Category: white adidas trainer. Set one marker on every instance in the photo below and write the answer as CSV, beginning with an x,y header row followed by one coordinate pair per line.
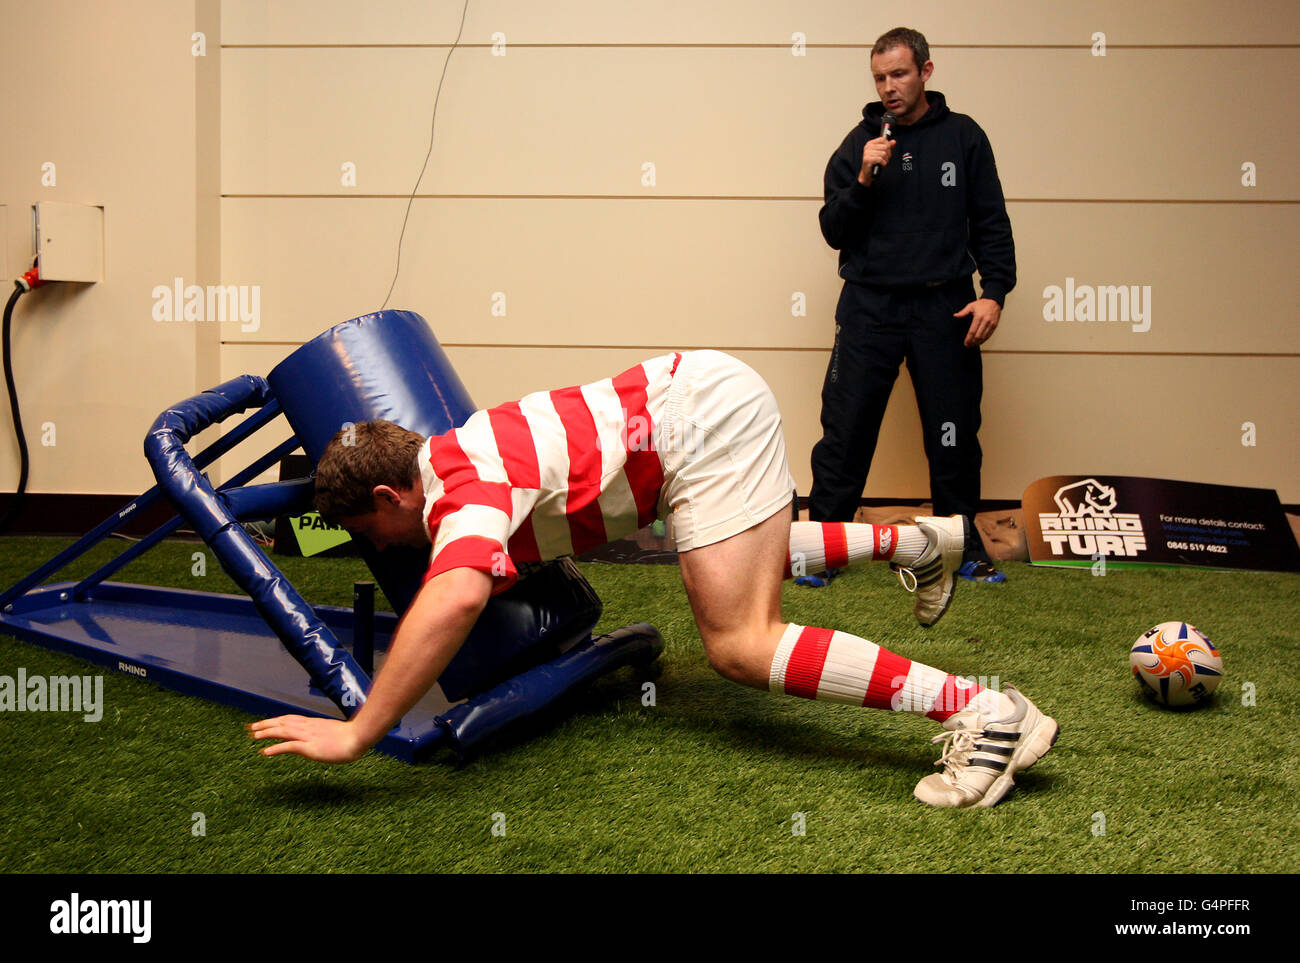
x,y
934,574
979,758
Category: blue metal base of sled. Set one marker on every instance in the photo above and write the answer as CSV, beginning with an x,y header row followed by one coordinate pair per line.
x,y
219,647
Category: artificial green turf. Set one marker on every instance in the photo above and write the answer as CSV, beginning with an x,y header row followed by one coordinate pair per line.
x,y
711,777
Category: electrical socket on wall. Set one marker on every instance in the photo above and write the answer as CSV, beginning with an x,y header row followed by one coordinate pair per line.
x,y
69,241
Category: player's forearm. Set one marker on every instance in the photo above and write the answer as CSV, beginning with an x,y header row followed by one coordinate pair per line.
x,y
427,638
413,666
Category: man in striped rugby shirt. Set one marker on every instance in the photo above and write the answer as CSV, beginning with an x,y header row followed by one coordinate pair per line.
x,y
694,438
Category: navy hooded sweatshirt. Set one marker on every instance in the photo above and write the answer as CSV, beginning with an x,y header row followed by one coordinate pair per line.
x,y
935,213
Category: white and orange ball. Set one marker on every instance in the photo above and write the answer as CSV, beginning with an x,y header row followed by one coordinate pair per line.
x,y
1176,664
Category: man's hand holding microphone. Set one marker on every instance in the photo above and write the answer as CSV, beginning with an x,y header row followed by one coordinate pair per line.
x,y
876,153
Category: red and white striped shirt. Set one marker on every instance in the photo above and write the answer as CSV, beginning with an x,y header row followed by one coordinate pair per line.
x,y
555,473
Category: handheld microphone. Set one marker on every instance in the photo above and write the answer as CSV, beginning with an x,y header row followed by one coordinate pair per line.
x,y
886,122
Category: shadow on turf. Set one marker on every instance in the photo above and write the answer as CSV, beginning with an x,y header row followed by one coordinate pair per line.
x,y
1148,702
308,786
618,688
755,720
318,792
758,721
752,722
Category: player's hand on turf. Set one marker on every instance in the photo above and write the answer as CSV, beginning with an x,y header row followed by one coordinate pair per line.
x,y
984,314
325,740
876,151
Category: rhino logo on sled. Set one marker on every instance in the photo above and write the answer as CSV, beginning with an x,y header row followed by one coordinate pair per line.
x,y
1087,497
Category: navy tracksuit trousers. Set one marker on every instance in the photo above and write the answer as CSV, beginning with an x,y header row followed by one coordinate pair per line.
x,y
877,329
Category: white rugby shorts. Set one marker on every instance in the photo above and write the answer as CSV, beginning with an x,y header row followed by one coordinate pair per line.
x,y
722,450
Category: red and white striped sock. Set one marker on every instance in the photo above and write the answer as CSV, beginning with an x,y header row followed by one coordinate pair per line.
x,y
815,663
818,545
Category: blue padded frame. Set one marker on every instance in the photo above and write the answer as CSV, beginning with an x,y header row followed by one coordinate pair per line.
x,y
494,680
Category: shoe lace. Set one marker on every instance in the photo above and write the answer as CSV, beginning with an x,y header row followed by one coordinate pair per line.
x,y
955,756
903,575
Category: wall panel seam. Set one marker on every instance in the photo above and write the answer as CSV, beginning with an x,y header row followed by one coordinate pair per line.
x,y
756,46
735,197
809,350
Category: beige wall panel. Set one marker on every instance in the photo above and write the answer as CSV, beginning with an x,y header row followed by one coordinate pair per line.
x,y
108,98
1135,124
253,359
236,360
723,273
1161,417
1042,415
1221,277
683,273
291,119
538,121
6,270
316,262
342,21
755,21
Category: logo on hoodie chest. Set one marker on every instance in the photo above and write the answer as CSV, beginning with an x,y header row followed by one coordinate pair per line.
x,y
907,161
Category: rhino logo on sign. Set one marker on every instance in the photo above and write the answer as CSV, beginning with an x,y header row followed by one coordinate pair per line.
x,y
1086,525
1087,497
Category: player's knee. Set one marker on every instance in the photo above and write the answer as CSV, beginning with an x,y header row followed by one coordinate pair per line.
x,y
730,669
726,659
738,658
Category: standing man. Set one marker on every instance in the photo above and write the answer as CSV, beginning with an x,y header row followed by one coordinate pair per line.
x,y
912,214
